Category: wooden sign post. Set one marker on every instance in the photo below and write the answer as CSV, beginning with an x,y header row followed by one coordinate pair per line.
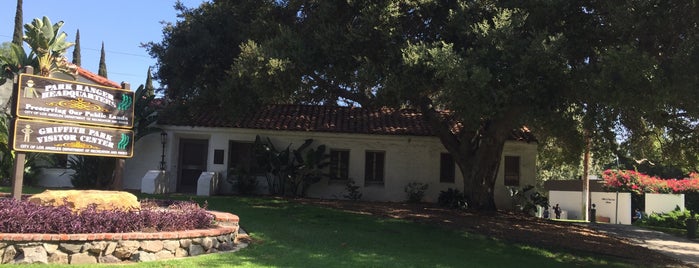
x,y
18,165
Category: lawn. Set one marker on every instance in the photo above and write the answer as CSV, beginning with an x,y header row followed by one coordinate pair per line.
x,y
288,234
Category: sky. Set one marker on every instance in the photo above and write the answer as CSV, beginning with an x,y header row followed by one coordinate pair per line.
x,y
122,25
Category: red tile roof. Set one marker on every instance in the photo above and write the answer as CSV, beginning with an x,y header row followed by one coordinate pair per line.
x,y
338,119
97,78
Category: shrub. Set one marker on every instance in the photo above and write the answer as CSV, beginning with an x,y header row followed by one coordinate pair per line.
x,y
352,189
638,183
243,180
452,198
26,217
526,200
415,191
91,172
673,219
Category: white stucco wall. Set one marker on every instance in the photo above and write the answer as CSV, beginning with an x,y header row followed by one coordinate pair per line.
x,y
146,151
55,177
616,206
663,203
527,167
408,159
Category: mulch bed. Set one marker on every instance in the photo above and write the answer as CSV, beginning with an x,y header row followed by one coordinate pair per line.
x,y
512,227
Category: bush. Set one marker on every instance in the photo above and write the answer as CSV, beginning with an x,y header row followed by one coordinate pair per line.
x,y
452,198
415,191
673,219
352,189
26,217
243,180
91,172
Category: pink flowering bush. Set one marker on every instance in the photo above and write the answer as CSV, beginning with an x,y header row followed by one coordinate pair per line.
x,y
639,183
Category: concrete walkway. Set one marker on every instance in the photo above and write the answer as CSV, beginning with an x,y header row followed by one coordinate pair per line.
x,y
679,248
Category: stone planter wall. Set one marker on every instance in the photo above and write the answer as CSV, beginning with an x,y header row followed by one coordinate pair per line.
x,y
118,247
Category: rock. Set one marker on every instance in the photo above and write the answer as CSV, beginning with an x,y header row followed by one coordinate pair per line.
x,y
9,255
111,246
50,248
126,248
32,254
82,258
70,247
164,255
195,250
152,245
78,200
206,243
171,245
180,252
95,248
142,256
109,259
58,258
185,243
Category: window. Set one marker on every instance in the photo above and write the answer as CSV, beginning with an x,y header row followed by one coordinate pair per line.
x,y
446,168
339,164
512,171
242,158
373,167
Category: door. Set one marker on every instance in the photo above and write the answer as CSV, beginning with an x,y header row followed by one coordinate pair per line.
x,y
192,162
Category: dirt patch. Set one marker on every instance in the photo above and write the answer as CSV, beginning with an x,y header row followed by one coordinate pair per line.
x,y
512,227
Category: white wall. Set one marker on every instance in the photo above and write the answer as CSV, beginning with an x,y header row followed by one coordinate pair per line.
x,y
569,201
408,159
527,165
663,203
616,206
146,151
55,178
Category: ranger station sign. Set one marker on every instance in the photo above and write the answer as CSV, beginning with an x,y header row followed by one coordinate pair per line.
x,y
69,101
52,137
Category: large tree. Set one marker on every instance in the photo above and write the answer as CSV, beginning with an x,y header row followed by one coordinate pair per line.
x,y
569,70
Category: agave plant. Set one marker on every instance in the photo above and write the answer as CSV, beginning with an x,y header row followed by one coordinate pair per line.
x,y
49,45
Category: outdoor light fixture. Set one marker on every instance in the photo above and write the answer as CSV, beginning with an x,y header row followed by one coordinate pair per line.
x,y
163,141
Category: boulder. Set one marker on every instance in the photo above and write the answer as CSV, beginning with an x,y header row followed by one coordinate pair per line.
x,y
78,200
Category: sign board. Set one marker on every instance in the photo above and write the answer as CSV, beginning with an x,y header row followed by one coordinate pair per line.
x,y
58,138
69,101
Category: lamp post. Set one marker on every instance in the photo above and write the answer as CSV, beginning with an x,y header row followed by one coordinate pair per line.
x,y
163,141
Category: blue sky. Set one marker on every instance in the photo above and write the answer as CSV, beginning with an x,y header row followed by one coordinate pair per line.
x,y
122,25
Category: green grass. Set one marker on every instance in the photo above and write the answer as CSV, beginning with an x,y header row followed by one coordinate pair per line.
x,y
288,234
25,189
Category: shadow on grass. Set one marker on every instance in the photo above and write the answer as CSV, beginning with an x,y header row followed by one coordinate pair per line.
x,y
287,234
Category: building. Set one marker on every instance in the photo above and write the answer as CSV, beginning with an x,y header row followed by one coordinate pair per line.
x,y
381,150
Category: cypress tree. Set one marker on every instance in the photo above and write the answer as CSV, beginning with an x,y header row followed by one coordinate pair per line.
x,y
76,49
103,65
150,91
17,35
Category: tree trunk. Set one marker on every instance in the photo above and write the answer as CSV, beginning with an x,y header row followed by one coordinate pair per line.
x,y
477,152
479,169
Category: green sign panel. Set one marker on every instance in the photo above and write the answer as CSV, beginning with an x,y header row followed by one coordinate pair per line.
x,y
52,137
69,101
